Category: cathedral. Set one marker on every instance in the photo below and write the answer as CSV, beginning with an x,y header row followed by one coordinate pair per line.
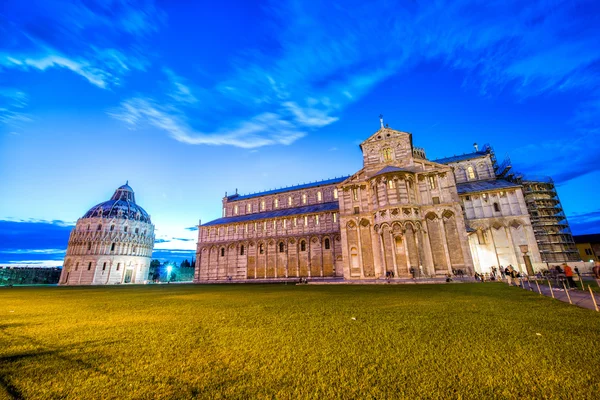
x,y
111,244
400,216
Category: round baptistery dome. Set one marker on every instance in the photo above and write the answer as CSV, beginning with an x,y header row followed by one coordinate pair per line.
x,y
111,244
121,205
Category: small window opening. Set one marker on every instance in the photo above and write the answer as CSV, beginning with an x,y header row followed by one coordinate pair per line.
x,y
89,266
496,207
261,249
303,246
281,247
327,244
241,250
222,251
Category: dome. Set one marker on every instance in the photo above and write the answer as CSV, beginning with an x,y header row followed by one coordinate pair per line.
x,y
121,205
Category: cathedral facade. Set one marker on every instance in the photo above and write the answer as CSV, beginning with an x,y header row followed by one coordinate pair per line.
x,y
401,215
111,244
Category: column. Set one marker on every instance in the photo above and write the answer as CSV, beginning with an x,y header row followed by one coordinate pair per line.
x,y
382,247
445,242
406,251
394,252
360,258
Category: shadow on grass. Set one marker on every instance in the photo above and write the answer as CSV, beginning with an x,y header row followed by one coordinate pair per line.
x,y
5,382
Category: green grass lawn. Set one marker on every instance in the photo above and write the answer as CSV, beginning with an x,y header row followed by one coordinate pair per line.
x,y
477,341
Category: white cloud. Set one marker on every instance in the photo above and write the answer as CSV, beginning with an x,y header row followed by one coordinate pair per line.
x,y
260,130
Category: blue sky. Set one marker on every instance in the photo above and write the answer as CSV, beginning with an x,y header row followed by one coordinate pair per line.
x,y
187,101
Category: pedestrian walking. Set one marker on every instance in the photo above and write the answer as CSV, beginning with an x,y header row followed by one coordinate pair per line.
x,y
508,272
569,275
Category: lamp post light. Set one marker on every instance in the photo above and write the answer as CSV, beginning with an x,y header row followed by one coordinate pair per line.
x,y
169,269
525,249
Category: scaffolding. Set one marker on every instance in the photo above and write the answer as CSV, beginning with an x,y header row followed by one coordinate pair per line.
x,y
548,220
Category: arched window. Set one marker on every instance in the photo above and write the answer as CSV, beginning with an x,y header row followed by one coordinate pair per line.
x,y
125,229
112,228
304,198
104,267
289,200
327,244
76,266
281,247
137,230
470,173
319,196
303,246
89,246
235,210
118,266
496,207
262,205
99,227
112,247
276,203
387,154
89,227
261,249
391,184
248,207
222,251
335,193
241,250
89,266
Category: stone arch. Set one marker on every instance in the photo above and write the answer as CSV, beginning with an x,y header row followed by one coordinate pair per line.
x,y
397,227
431,216
447,214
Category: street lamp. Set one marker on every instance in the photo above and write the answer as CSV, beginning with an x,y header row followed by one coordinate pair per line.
x,y
525,249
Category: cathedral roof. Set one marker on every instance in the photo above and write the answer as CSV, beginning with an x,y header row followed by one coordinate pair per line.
x,y
237,197
463,157
121,205
391,168
284,212
483,186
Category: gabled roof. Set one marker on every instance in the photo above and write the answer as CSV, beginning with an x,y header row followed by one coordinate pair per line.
x,y
463,157
385,133
325,182
391,168
483,186
284,212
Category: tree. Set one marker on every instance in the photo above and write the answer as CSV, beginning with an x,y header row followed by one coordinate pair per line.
x,y
186,264
154,264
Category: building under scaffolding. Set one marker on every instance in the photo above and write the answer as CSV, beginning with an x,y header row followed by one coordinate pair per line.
x,y
549,222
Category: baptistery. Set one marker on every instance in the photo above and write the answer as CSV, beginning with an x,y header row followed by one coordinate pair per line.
x,y
111,244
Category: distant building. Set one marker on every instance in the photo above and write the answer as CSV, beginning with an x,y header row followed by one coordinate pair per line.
x,y
112,243
401,214
588,247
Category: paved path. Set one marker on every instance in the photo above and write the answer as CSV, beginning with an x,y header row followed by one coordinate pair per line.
x,y
578,297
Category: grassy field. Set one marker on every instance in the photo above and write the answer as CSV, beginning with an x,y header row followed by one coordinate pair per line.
x,y
284,341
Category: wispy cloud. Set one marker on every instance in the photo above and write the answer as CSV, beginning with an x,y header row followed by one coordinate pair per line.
x,y
261,130
12,103
84,37
585,223
331,56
